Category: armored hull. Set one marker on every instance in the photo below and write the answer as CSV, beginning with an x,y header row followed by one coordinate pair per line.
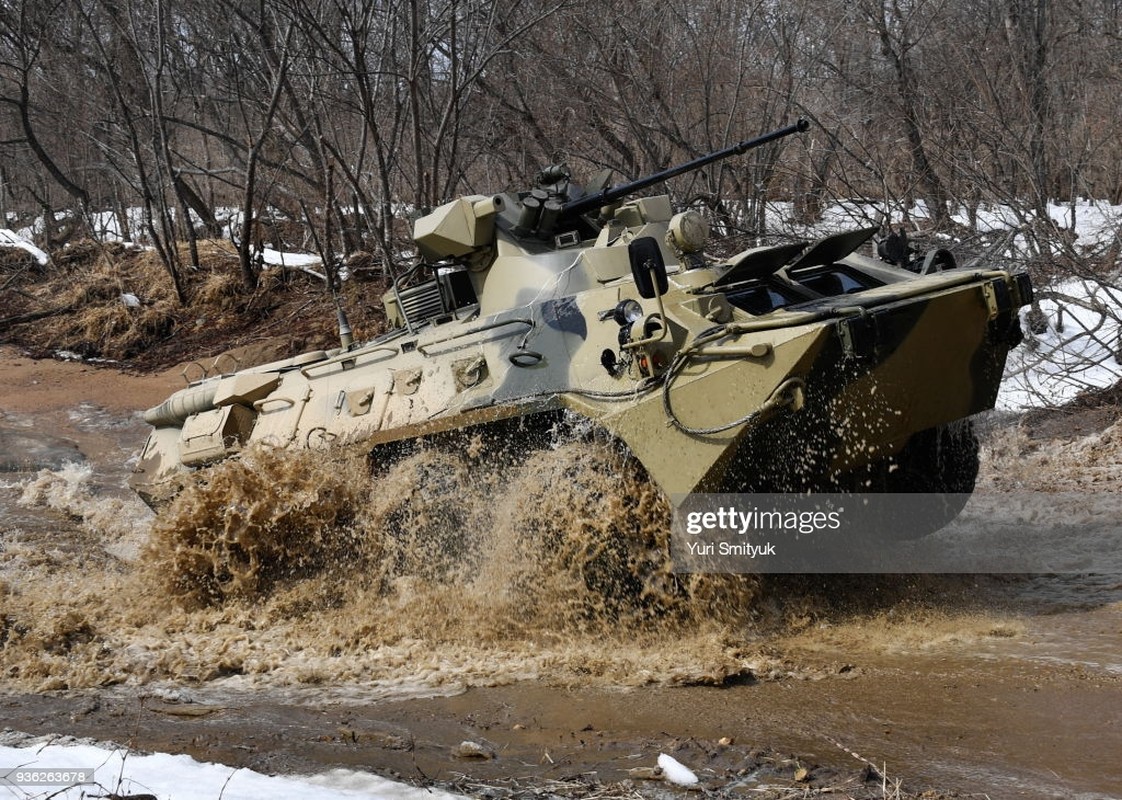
x,y
795,367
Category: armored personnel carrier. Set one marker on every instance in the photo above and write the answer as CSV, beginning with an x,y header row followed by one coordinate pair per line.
x,y
802,366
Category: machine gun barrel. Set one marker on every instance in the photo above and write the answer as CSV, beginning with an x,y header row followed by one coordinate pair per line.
x,y
611,194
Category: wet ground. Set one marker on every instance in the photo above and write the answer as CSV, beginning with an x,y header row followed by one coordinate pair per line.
x,y
980,686
961,724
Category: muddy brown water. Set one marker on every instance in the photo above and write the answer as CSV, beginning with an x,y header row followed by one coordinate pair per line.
x,y
213,630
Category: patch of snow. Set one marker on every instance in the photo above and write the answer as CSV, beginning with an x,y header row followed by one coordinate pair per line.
x,y
297,260
1095,222
9,238
1079,349
675,771
119,772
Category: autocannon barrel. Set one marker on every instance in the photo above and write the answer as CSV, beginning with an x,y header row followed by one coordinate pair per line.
x,y
611,194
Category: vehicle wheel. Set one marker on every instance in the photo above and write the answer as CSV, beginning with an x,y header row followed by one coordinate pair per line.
x,y
938,465
938,460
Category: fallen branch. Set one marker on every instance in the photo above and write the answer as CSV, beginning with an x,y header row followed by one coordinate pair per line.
x,y
20,319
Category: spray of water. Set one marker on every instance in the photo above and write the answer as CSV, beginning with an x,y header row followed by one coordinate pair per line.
x,y
469,561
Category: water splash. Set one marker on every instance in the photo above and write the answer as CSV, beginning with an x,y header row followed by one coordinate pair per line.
x,y
472,561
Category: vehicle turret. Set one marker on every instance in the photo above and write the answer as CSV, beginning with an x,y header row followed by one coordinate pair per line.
x,y
465,226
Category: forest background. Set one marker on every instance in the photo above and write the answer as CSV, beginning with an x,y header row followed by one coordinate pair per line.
x,y
323,124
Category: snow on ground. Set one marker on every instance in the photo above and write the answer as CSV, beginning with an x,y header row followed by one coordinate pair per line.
x,y
119,772
1095,223
107,227
1081,347
293,260
9,238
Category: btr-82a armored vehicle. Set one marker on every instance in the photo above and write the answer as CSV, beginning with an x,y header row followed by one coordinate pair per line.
x,y
801,366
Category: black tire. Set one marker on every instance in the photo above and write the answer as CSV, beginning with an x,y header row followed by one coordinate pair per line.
x,y
938,465
941,460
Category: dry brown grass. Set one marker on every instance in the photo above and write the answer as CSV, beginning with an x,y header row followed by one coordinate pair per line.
x,y
78,304
90,283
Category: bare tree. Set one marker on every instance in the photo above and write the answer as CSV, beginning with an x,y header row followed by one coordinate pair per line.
x,y
26,28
